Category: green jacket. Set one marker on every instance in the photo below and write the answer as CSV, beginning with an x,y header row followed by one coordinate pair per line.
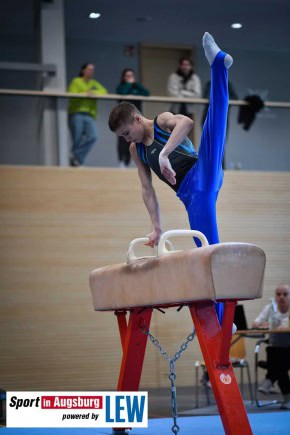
x,y
80,86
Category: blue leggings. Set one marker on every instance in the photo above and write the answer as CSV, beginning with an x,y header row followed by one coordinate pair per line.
x,y
200,187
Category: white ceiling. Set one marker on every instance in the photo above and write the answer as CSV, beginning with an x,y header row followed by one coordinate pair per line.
x,y
266,23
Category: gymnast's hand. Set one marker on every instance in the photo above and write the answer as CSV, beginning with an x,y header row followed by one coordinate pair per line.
x,y
154,238
166,169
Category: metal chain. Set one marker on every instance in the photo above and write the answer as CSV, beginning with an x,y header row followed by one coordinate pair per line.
x,y
172,376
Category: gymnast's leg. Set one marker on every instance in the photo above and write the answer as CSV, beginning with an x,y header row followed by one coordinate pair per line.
x,y
206,177
209,168
200,188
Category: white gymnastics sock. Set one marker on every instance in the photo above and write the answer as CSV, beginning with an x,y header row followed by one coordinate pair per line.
x,y
211,49
234,329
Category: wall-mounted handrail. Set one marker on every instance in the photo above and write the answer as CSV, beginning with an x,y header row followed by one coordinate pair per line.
x,y
153,98
49,69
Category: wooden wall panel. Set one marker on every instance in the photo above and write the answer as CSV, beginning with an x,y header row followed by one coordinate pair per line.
x,y
58,224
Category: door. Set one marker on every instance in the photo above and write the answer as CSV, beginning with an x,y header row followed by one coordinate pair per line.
x,y
156,64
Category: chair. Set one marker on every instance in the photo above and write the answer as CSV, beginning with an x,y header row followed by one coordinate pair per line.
x,y
263,365
205,381
238,360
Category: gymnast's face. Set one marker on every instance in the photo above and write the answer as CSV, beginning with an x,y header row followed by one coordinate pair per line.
x,y
132,131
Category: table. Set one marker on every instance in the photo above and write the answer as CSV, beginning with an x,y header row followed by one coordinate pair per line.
x,y
260,334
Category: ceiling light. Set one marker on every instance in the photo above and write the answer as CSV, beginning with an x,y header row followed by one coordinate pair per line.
x,y
95,15
236,25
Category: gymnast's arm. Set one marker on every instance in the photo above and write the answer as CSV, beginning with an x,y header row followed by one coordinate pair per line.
x,y
179,126
149,196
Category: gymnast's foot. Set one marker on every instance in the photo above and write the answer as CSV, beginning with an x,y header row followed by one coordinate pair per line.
x,y
234,329
211,49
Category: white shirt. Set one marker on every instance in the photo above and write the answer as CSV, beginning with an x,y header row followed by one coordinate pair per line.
x,y
175,88
276,319
281,319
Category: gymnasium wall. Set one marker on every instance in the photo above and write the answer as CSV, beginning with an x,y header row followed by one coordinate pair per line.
x,y
58,224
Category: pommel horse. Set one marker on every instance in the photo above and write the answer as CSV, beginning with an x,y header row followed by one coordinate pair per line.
x,y
225,272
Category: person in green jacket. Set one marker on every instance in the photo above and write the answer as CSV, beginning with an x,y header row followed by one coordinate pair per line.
x,y
128,86
83,113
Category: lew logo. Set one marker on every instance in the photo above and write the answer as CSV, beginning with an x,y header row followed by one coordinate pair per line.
x,y
125,408
153,151
226,379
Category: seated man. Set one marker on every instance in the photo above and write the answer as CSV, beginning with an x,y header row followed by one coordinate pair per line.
x,y
276,316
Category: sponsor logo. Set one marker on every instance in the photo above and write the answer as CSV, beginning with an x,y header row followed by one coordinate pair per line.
x,y
226,379
153,151
77,409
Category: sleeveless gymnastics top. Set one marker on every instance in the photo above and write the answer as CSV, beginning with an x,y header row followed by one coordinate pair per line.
x,y
182,158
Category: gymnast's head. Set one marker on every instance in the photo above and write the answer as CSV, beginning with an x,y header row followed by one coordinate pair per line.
x,y
127,121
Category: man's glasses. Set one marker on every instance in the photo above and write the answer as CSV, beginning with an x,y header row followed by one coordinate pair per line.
x,y
282,294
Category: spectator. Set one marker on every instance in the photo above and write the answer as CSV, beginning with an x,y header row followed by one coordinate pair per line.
x,y
83,113
276,316
184,83
128,86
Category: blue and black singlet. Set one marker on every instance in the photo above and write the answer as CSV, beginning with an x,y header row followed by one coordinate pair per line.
x,y
182,158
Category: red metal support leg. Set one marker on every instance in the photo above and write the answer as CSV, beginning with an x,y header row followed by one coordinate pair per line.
x,y
225,343
133,350
122,323
134,345
216,357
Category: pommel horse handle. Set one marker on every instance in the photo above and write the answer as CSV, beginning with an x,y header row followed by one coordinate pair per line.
x,y
161,250
142,240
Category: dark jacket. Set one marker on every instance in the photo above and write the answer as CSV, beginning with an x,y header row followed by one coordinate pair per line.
x,y
247,114
133,89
